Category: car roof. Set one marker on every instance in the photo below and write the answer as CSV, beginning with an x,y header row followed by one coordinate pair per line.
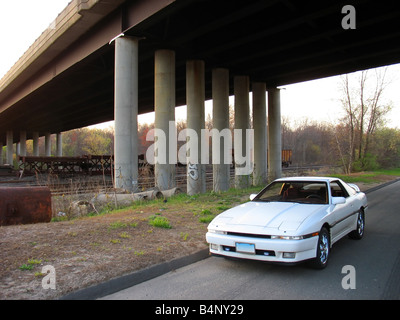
x,y
316,179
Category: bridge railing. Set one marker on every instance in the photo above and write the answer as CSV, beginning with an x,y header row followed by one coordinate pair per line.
x,y
87,164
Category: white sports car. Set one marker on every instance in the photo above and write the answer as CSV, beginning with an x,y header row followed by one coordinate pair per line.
x,y
291,220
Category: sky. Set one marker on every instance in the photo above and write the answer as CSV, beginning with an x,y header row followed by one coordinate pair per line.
x,y
23,21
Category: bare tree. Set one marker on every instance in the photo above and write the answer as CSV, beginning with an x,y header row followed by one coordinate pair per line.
x,y
350,122
365,110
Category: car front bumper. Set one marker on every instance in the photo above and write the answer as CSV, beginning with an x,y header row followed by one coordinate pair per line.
x,y
276,250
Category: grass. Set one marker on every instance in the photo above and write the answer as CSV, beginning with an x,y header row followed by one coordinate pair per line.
x,y
368,177
390,172
365,178
30,265
206,206
124,235
118,225
159,222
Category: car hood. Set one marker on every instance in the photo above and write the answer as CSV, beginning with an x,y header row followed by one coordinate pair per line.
x,y
279,215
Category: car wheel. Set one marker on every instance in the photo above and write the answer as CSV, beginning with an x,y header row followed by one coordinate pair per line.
x,y
323,250
359,232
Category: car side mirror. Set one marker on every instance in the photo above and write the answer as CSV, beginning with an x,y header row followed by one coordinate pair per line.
x,y
252,196
338,200
354,186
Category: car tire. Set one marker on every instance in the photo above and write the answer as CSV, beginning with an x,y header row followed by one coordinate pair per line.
x,y
323,250
358,233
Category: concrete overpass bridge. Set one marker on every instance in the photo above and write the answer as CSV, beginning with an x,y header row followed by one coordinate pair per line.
x,y
82,71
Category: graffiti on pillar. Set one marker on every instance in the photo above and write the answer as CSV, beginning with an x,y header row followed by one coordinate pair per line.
x,y
193,171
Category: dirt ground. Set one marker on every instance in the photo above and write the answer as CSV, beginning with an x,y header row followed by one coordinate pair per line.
x,y
88,251
92,250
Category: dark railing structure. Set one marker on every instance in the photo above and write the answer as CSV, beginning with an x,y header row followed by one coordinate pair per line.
x,y
88,164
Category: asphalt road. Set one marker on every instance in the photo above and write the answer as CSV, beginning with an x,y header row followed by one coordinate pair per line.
x,y
375,258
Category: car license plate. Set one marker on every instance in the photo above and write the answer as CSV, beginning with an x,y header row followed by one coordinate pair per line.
x,y
245,248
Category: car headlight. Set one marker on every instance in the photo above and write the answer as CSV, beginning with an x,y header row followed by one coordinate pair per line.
x,y
314,234
217,231
287,237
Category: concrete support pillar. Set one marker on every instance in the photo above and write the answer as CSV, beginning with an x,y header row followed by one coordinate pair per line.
x,y
195,99
221,148
36,144
10,147
242,124
22,142
125,113
59,151
260,133
164,107
47,144
1,154
274,135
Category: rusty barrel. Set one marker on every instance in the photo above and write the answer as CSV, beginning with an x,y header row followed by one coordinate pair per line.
x,y
24,205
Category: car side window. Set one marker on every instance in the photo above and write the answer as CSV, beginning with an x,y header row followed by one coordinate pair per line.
x,y
337,190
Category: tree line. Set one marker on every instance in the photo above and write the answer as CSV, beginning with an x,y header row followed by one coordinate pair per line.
x,y
316,143
360,139
312,143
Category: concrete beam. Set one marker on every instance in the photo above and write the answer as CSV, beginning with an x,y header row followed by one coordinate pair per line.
x,y
274,135
260,133
195,99
221,156
125,113
164,106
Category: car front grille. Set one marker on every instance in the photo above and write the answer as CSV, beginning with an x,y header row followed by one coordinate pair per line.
x,y
269,253
249,235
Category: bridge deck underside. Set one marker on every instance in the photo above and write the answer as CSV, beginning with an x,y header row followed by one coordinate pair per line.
x,y
278,42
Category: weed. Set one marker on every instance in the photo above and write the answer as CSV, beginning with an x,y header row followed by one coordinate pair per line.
x,y
222,208
159,222
206,216
124,235
206,219
30,264
115,241
205,212
34,261
184,236
118,225
26,267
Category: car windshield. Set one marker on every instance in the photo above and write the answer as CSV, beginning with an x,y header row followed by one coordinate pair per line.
x,y
311,192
